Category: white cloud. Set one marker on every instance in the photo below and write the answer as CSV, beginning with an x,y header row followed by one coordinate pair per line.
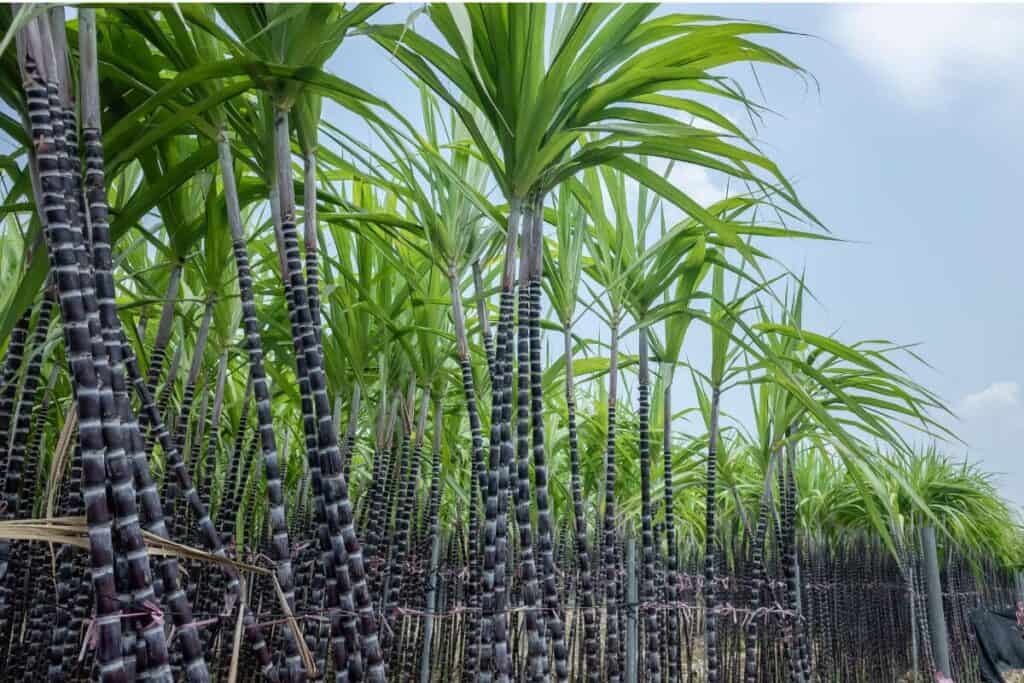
x,y
924,50
996,396
992,426
696,181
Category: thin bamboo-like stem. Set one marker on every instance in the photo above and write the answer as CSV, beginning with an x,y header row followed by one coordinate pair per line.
x,y
164,329
652,652
478,476
711,633
610,565
280,547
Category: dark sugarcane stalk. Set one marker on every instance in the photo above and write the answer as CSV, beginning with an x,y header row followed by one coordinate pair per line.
x,y
687,629
478,476
336,581
711,654
227,508
21,474
536,637
562,558
553,611
164,330
348,446
337,584
610,564
8,379
213,440
652,654
591,645
822,578
758,571
104,327
430,588
16,448
631,660
42,602
808,605
672,550
513,583
347,550
195,441
181,609
495,660
245,466
661,595
452,594
507,544
802,609
64,634
473,581
347,658
64,260
620,601
778,517
832,605
400,542
381,468
815,599
876,650
163,400
394,488
816,615
180,427
845,626
791,566
398,458
367,501
280,548
72,566
26,645
317,634
235,479
208,533
34,458
310,238
786,525
481,314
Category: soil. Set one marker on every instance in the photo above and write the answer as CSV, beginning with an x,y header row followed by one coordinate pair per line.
x,y
1011,676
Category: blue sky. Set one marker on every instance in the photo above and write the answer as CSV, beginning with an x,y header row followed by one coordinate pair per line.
x,y
909,146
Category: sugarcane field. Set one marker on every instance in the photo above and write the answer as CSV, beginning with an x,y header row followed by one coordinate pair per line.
x,y
511,342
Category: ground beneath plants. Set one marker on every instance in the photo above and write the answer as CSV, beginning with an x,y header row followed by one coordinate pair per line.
x,y
1011,676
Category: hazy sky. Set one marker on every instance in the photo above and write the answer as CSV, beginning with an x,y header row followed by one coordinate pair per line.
x,y
910,147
